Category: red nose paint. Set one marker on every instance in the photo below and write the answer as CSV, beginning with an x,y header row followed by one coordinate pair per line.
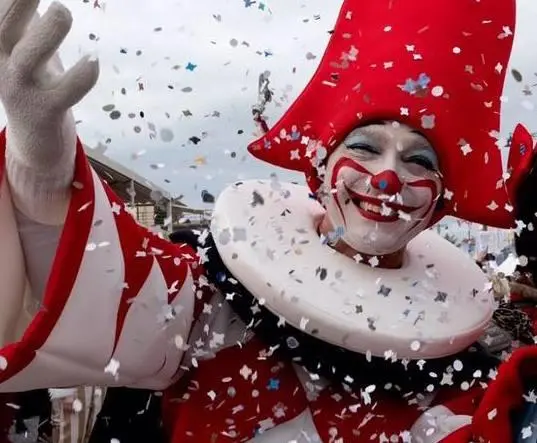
x,y
387,182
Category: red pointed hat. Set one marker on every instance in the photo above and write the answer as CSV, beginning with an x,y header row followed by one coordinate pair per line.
x,y
438,66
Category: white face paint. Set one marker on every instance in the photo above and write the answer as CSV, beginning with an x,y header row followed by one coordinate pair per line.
x,y
383,184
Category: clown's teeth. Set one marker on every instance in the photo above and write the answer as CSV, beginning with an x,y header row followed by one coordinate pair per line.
x,y
370,207
382,210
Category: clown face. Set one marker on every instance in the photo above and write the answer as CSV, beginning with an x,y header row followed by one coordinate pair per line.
x,y
382,187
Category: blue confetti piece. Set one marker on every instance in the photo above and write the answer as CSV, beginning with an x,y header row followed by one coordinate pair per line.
x,y
424,80
273,384
295,135
409,86
413,86
191,66
221,277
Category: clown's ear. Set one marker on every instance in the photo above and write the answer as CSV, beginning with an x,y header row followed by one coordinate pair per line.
x,y
520,163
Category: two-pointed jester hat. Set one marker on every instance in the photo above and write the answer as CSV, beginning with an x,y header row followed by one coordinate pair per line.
x,y
438,66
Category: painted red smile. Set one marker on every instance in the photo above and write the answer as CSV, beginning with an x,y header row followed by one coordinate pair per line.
x,y
375,209
374,212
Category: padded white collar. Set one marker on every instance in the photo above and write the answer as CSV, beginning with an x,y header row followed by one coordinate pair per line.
x,y
435,305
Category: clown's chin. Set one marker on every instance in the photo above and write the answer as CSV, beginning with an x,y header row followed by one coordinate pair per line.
x,y
369,245
371,233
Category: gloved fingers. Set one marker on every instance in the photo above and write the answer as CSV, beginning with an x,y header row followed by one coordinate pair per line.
x,y
75,83
41,40
15,15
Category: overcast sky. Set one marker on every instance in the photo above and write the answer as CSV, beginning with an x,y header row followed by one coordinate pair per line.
x,y
151,43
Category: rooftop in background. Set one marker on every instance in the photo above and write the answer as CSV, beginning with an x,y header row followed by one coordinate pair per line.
x,y
122,179
150,203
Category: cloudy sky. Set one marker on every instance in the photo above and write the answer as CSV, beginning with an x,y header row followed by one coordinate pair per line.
x,y
146,47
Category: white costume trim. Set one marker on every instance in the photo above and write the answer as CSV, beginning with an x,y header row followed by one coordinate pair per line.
x,y
270,244
79,350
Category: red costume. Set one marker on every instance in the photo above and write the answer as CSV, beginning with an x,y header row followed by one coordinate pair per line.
x,y
123,307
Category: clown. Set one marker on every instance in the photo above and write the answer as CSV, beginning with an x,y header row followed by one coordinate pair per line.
x,y
322,314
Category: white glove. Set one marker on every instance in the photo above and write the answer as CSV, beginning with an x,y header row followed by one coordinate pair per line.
x,y
37,95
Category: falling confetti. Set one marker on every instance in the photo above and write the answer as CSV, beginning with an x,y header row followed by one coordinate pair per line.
x,y
516,75
112,368
166,135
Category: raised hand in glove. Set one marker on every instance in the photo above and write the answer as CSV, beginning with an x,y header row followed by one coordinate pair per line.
x,y
37,95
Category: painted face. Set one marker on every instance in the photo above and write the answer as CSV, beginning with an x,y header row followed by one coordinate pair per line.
x,y
381,186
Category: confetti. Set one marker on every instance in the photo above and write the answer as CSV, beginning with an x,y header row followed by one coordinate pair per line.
x,y
415,345
526,432
77,406
384,291
112,368
245,372
321,273
418,86
303,323
115,115
273,384
166,135
373,261
531,397
516,75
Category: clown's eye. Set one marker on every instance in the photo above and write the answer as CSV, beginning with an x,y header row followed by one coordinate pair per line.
x,y
423,161
364,147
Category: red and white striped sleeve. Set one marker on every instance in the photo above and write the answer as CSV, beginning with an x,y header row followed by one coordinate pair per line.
x,y
118,303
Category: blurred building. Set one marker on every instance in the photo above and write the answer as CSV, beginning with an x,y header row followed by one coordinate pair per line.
x,y
150,204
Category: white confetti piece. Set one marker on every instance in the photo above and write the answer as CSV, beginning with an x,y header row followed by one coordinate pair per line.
x,y
415,345
179,342
373,262
526,432
245,371
77,406
112,367
466,149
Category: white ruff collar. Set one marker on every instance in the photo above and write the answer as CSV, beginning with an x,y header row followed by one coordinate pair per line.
x,y
434,306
